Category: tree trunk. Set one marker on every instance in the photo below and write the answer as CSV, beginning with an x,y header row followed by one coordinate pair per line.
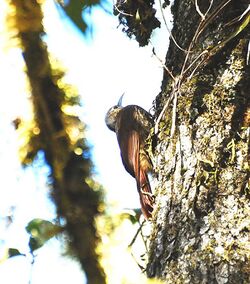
x,y
201,222
75,194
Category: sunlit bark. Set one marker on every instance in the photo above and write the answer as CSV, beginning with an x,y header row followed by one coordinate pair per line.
x,y
201,222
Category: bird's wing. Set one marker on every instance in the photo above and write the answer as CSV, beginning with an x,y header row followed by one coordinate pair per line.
x,y
146,197
130,149
129,142
130,139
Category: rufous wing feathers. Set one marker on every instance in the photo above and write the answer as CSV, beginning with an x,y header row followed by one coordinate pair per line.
x,y
130,142
144,189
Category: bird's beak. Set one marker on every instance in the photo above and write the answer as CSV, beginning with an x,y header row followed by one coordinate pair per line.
x,y
120,100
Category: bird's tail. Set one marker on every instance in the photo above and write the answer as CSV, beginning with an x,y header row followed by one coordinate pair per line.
x,y
146,197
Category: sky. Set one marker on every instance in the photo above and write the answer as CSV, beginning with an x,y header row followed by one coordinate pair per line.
x,y
102,69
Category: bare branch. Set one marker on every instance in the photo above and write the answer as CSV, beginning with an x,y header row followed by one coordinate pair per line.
x,y
199,11
194,61
211,17
237,19
210,6
173,115
121,12
169,31
162,112
248,52
198,65
136,234
162,63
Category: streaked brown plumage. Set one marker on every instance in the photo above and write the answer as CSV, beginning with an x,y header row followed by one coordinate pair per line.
x,y
132,125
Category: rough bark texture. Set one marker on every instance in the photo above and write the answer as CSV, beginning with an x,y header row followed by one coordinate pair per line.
x,y
201,223
76,200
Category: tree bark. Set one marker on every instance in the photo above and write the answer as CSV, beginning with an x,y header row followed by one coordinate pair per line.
x,y
201,220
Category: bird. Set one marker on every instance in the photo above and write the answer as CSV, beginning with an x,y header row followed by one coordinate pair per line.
x,y
132,126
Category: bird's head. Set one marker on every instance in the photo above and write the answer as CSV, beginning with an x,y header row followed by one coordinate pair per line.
x,y
111,116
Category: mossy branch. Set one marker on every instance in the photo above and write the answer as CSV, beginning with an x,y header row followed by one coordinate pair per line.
x,y
77,200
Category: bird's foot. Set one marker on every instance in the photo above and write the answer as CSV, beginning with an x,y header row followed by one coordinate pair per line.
x,y
148,194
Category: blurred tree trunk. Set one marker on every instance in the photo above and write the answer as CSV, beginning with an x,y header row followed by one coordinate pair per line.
x,y
74,193
201,223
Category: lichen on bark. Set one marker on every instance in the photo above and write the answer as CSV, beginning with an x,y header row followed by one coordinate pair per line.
x,y
201,223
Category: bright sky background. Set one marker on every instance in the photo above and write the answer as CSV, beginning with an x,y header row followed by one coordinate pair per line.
x,y
102,69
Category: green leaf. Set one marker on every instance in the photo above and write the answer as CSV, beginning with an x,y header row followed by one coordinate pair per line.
x,y
132,215
35,243
40,232
14,252
74,10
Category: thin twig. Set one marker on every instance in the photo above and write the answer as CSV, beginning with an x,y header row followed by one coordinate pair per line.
x,y
173,115
188,53
210,6
169,31
198,10
238,18
140,266
142,236
137,233
162,112
248,52
200,28
177,81
211,17
121,12
162,63
194,61
197,66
